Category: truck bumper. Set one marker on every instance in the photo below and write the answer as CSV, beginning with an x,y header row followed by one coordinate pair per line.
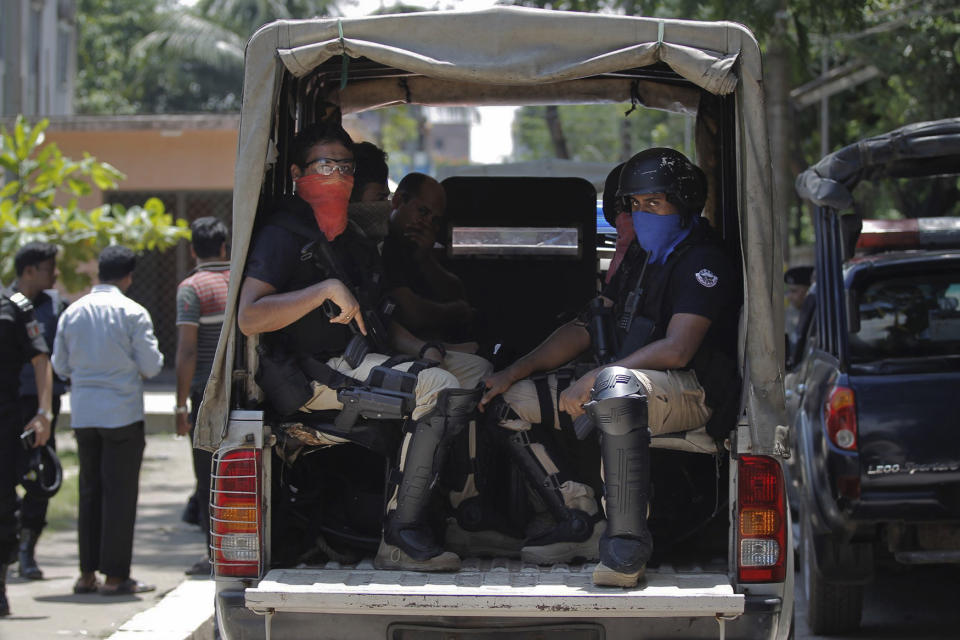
x,y
763,618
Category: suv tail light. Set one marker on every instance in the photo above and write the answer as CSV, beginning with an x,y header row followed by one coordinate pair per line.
x,y
840,418
235,513
762,520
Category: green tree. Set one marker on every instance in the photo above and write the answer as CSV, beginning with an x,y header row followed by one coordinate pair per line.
x,y
40,177
107,78
160,56
203,48
593,133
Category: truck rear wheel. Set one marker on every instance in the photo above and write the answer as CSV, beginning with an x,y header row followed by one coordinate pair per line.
x,y
831,608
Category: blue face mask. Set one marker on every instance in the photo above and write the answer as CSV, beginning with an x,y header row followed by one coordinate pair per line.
x,y
658,235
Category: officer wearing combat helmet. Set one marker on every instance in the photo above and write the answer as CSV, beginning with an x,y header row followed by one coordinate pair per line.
x,y
312,290
664,333
21,341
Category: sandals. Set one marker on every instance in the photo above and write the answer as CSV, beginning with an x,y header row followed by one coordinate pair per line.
x,y
125,588
80,587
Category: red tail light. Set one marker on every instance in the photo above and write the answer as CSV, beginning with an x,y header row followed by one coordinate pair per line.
x,y
840,418
236,530
762,521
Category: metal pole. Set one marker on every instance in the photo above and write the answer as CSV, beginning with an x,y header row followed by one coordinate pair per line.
x,y
824,104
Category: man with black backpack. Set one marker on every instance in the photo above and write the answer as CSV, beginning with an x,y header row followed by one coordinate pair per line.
x,y
664,333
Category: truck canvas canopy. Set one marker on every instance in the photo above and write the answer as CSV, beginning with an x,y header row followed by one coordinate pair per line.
x,y
905,152
516,56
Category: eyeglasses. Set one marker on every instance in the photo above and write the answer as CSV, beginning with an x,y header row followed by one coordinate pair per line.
x,y
326,166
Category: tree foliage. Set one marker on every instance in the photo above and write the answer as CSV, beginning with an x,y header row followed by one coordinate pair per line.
x,y
161,56
41,178
594,132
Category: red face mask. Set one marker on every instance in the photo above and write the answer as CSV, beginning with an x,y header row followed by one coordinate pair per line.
x,y
328,196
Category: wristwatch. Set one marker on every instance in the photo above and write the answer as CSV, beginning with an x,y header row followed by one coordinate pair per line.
x,y
46,413
433,345
181,410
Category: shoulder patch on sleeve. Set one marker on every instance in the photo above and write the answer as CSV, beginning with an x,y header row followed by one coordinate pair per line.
x,y
34,329
22,302
707,278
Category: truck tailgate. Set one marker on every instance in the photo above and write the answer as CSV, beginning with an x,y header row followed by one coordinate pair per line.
x,y
510,588
907,428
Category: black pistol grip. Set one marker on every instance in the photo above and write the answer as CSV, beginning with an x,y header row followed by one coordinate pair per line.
x,y
357,349
330,309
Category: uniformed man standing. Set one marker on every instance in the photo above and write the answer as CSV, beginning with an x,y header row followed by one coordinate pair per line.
x,y
36,268
21,341
671,368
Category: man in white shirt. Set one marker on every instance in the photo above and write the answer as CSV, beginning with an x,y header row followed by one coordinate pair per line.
x,y
105,345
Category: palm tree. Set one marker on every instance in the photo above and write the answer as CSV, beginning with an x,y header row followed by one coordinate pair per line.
x,y
213,33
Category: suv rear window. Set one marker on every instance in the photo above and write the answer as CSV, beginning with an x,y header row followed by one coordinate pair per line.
x,y
911,316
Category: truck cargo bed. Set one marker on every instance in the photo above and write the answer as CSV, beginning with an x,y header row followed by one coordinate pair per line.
x,y
509,587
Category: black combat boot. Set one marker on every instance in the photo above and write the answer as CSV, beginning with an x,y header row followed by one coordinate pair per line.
x,y
477,531
408,539
575,533
626,546
619,410
4,605
25,555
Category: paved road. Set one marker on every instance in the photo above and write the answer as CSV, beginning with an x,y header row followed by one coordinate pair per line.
x,y
163,547
919,603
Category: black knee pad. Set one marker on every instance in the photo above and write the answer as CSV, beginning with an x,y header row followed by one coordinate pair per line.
x,y
619,403
457,407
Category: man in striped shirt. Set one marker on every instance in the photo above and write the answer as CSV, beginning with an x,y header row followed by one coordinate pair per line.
x,y
201,299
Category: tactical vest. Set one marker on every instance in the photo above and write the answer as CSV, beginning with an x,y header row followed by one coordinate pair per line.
x,y
717,372
314,334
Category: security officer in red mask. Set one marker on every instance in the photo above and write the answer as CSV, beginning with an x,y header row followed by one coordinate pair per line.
x,y
323,309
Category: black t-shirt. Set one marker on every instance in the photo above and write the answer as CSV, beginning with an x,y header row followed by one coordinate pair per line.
x,y
697,278
275,258
21,339
401,269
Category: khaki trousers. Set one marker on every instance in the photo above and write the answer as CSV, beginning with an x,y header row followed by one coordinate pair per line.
x,y
457,371
675,402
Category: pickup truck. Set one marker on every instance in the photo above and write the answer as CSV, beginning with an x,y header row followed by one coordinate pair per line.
x,y
875,470
293,523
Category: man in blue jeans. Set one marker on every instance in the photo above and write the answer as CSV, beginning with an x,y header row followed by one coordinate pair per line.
x,y
105,345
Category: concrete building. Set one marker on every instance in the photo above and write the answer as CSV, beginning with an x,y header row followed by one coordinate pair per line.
x,y
38,57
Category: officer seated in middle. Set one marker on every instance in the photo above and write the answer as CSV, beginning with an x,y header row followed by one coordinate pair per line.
x,y
666,364
312,290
